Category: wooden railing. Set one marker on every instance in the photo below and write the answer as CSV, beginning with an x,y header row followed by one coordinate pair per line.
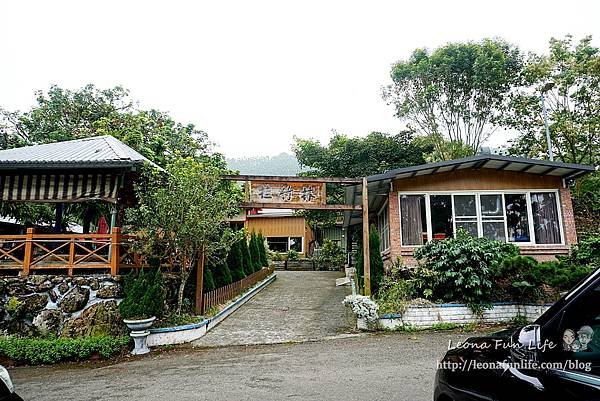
x,y
71,253
228,292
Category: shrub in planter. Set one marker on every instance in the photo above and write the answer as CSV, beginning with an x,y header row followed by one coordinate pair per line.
x,y
464,266
293,255
363,307
518,279
331,256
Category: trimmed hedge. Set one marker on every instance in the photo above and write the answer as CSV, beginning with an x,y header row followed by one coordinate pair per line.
x,y
37,351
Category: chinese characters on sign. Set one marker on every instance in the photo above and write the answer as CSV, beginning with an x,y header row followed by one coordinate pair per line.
x,y
287,192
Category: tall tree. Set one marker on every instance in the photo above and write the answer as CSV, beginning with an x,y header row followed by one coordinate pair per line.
x,y
456,92
248,263
235,262
255,251
183,213
570,77
262,250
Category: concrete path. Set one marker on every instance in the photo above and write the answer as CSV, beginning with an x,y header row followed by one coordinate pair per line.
x,y
297,306
397,366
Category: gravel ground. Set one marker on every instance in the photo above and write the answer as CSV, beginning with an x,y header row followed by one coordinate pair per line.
x,y
397,366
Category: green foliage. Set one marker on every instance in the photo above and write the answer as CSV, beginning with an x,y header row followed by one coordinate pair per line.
x,y
293,255
456,91
183,212
464,266
262,248
221,274
395,294
235,262
331,256
573,103
208,282
520,278
174,319
144,295
255,251
586,204
36,351
249,267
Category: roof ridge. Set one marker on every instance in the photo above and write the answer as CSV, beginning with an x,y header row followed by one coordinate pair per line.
x,y
119,152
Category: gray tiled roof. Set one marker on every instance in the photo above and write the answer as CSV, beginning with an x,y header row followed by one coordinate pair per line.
x,y
98,151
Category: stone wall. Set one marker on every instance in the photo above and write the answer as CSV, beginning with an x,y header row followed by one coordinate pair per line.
x,y
65,306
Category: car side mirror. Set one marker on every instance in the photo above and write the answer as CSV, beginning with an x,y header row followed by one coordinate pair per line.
x,y
526,343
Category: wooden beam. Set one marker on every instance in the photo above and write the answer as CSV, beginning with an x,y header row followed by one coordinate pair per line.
x,y
276,178
366,253
308,206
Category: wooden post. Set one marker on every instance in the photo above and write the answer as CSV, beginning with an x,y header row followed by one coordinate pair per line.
x,y
71,256
115,240
28,251
365,221
200,283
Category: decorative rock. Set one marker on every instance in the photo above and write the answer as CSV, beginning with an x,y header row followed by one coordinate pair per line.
x,y
45,286
63,287
18,289
53,296
57,280
37,280
75,299
48,321
80,281
102,318
33,303
110,291
94,284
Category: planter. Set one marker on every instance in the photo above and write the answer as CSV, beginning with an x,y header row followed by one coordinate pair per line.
x,y
139,333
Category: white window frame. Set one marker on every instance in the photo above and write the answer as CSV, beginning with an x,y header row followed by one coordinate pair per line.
x,y
477,193
301,243
384,211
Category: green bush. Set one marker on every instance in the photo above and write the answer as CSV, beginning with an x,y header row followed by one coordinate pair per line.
x,y
519,278
249,267
262,250
36,351
208,282
464,267
255,251
221,274
144,295
331,256
293,255
235,263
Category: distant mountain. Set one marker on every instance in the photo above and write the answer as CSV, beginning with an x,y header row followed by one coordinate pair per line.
x,y
282,164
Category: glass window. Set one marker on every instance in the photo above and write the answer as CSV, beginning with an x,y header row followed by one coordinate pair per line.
x,y
492,217
278,244
384,229
545,218
441,216
413,220
517,222
296,244
465,212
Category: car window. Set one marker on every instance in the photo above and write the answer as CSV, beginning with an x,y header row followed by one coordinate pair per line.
x,y
578,336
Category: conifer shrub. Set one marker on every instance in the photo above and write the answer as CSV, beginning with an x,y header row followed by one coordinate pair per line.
x,y
248,265
262,248
255,251
144,295
235,262
221,274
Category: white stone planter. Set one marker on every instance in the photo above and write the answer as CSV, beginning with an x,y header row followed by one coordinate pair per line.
x,y
139,333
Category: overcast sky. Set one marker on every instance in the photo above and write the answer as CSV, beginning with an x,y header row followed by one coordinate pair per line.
x,y
255,73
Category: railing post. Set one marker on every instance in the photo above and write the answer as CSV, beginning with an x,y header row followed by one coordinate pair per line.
x,y
71,256
28,251
115,241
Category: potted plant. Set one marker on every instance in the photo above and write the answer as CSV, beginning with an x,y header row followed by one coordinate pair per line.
x,y
143,303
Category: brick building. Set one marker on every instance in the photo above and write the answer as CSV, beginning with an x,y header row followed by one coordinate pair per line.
x,y
523,201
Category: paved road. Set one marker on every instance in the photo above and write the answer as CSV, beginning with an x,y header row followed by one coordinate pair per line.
x,y
297,306
396,366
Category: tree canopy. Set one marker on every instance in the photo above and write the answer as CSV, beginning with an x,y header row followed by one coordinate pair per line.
x,y
455,92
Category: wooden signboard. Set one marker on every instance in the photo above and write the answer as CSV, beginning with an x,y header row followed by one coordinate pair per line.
x,y
293,193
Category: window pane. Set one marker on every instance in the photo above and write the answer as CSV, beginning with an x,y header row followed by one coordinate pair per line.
x,y
469,226
296,244
464,205
516,218
441,216
494,230
278,244
491,205
413,219
545,218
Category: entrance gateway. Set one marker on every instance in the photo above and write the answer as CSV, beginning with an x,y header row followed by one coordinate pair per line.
x,y
303,193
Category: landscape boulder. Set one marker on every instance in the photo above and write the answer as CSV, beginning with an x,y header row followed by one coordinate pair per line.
x,y
75,299
110,291
102,318
48,321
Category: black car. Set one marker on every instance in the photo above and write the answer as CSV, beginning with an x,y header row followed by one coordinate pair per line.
x,y
7,390
556,358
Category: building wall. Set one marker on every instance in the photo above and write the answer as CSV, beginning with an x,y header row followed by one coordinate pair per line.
x,y
281,227
485,179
